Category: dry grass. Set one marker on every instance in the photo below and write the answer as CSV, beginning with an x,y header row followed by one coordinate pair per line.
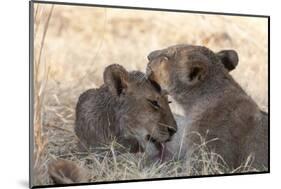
x,y
73,45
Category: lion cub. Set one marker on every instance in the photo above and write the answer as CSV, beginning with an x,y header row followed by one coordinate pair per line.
x,y
127,108
214,104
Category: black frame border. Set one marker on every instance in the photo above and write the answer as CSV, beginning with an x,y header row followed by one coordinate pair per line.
x,y
31,91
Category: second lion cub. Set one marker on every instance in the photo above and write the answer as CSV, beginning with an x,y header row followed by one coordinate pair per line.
x,y
214,103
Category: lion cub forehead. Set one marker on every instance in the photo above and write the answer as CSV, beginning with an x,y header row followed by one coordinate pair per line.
x,y
186,48
142,85
196,53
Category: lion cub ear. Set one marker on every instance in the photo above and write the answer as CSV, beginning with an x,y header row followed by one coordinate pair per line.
x,y
229,59
152,55
196,72
116,78
169,53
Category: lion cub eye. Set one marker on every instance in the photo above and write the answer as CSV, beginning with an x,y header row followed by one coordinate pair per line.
x,y
154,103
169,102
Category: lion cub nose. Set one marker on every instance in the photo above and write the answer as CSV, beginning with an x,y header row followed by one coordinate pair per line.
x,y
172,131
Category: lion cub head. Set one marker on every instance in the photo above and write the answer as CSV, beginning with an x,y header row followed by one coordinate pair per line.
x,y
143,109
187,64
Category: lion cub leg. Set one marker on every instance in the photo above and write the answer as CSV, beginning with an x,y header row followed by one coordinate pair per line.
x,y
66,172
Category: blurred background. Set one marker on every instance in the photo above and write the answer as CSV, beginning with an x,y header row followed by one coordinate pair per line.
x,y
82,41
73,45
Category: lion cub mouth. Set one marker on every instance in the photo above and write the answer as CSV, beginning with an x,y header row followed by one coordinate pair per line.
x,y
159,145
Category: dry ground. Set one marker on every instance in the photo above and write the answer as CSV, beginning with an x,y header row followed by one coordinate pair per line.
x,y
73,45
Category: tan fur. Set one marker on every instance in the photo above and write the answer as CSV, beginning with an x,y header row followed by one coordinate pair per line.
x,y
215,105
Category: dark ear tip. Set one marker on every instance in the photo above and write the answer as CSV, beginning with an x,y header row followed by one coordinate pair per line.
x,y
151,55
154,54
233,55
229,58
115,77
113,67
